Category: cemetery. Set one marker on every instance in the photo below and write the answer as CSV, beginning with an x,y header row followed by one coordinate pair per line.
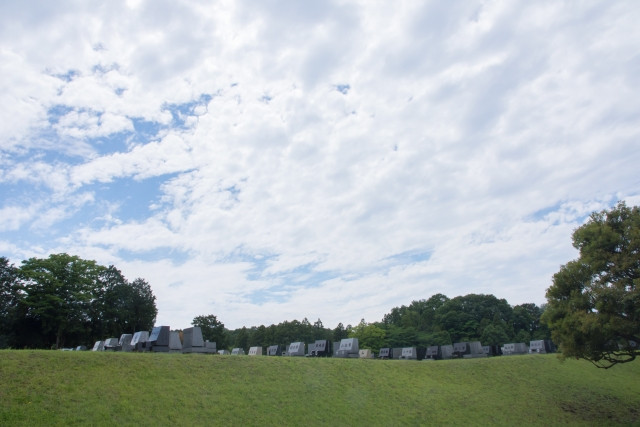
x,y
163,340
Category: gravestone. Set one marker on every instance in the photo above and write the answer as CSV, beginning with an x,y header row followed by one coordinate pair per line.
x,y
336,347
255,351
81,348
124,343
159,339
139,341
397,352
514,348
385,353
432,353
111,344
237,352
274,350
541,346
175,345
98,346
349,348
193,342
311,349
224,352
296,349
413,353
475,350
460,349
322,348
446,351
365,354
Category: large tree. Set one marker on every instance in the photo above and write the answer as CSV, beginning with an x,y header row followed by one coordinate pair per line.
x,y
593,306
212,329
59,291
10,296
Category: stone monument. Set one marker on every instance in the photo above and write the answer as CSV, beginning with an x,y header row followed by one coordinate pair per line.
x,y
159,339
124,343
139,341
255,351
322,348
296,349
274,350
349,348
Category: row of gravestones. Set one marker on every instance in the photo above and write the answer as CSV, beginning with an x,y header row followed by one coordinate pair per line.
x,y
347,347
161,339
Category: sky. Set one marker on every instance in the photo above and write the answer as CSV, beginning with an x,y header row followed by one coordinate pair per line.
x,y
267,160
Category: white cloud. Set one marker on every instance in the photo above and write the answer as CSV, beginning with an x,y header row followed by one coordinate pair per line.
x,y
298,152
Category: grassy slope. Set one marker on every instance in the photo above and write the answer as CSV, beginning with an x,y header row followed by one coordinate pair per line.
x,y
49,387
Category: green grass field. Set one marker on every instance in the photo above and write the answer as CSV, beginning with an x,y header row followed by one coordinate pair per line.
x,y
91,388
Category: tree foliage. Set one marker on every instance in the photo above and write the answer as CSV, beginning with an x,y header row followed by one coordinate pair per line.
x,y
593,306
212,329
65,300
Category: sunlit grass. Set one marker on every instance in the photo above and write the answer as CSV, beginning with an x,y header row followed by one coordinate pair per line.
x,y
87,388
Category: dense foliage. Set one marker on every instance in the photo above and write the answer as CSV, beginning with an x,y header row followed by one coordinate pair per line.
x,y
594,302
437,321
64,300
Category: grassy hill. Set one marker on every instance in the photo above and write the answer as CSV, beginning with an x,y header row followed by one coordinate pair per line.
x,y
55,387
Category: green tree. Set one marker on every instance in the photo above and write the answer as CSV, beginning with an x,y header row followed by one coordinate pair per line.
x,y
593,308
59,290
369,335
212,329
10,297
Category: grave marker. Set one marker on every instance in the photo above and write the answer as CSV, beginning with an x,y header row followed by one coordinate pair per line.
x,y
255,351
296,349
274,350
159,339
124,343
322,348
349,348
139,341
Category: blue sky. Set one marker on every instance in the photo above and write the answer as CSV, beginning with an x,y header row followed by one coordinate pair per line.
x,y
270,161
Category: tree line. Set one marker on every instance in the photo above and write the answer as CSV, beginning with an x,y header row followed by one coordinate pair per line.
x,y
64,300
439,320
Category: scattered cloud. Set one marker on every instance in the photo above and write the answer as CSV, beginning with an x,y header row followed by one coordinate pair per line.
x,y
268,162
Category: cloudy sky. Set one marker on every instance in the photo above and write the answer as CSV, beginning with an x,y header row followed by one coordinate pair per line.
x,y
273,160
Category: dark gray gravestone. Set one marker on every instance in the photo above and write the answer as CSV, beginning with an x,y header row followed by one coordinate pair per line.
x,y
159,339
538,346
124,343
413,353
193,342
237,352
296,349
98,346
385,353
255,351
460,349
139,341
349,348
475,350
433,352
111,344
322,348
311,349
397,352
224,352
274,350
81,348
